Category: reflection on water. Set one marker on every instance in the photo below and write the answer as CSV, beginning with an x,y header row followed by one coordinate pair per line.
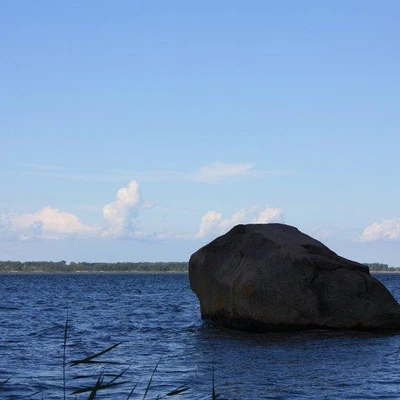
x,y
157,318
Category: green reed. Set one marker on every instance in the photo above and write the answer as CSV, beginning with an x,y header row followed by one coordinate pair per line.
x,y
103,381
106,381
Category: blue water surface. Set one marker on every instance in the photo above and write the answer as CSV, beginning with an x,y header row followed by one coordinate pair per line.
x,y
157,319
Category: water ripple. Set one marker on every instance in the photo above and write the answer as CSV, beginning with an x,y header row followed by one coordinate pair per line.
x,y
157,319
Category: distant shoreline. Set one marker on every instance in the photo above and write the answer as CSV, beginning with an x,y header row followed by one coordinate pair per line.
x,y
143,267
126,272
92,272
62,267
384,272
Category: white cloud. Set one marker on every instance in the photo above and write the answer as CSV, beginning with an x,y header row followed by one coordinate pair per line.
x,y
213,223
120,220
210,222
212,173
6,228
388,229
49,223
268,214
119,214
219,171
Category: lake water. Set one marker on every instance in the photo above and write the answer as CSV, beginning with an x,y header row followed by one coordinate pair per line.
x,y
157,319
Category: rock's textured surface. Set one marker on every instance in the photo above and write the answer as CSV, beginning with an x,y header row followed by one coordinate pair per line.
x,y
264,277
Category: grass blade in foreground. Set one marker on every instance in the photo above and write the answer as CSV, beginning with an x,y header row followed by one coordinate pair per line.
x,y
5,382
178,390
90,359
131,392
214,395
96,387
99,386
151,378
64,354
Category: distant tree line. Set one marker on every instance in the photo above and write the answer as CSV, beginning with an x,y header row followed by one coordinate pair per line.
x,y
63,266
381,267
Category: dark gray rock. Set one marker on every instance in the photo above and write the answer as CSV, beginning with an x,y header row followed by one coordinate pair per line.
x,y
263,277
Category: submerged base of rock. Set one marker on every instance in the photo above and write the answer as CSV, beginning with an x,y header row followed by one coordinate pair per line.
x,y
272,277
251,326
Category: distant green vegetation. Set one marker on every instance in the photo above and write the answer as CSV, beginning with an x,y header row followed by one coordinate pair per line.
x,y
381,267
63,266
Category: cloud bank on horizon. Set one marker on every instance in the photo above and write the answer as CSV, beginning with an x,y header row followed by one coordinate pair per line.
x,y
120,217
48,223
51,223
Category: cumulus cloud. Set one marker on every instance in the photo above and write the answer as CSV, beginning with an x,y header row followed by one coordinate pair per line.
x,y
51,223
210,222
388,229
213,223
48,223
119,215
120,221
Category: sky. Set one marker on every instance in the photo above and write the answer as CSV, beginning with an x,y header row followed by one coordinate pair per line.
x,y
142,130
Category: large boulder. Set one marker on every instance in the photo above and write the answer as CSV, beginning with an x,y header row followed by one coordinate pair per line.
x,y
263,277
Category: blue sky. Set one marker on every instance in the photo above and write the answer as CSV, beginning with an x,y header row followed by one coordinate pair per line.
x,y
138,131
